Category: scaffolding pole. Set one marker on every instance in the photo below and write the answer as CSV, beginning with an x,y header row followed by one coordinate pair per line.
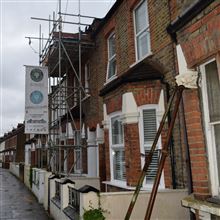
x,y
59,91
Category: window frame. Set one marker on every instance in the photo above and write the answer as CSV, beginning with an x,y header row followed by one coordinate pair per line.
x,y
77,150
147,184
209,131
116,146
142,31
108,79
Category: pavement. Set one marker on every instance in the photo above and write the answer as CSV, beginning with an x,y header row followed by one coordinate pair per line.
x,y
16,201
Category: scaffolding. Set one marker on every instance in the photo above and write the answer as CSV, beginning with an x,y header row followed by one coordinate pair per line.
x,y
62,53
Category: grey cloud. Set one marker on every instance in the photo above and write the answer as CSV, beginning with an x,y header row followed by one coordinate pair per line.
x,y
15,51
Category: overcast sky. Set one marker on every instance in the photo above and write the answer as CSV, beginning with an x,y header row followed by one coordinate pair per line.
x,y
15,25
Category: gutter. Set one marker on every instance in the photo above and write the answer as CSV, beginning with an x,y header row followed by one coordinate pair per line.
x,y
186,17
107,17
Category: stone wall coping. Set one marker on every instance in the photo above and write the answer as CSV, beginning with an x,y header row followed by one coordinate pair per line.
x,y
202,205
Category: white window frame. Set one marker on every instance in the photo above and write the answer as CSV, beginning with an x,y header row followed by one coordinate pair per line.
x,y
138,34
209,132
109,60
141,139
111,147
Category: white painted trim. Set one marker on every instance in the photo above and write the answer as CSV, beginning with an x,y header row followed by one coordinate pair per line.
x,y
182,65
110,79
213,170
105,121
109,59
112,115
138,61
130,114
136,35
141,139
99,135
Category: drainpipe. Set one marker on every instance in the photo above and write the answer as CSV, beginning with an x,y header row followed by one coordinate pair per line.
x,y
172,156
188,161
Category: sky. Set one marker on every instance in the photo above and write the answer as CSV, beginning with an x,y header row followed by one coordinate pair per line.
x,y
15,51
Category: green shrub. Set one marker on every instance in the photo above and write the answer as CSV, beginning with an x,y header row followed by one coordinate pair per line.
x,y
93,214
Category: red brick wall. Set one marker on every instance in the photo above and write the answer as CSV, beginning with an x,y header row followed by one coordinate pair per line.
x,y
198,153
20,148
200,42
33,158
144,93
70,155
132,154
107,156
11,142
201,39
102,165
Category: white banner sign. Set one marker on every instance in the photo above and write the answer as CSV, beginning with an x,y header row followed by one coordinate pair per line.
x,y
36,100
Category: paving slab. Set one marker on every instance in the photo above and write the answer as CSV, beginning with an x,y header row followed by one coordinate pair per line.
x,y
16,201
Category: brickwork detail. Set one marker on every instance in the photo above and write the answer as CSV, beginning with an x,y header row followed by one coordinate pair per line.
x,y
198,154
132,154
198,40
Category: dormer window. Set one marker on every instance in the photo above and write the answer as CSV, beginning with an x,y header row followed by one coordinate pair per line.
x,y
111,57
142,34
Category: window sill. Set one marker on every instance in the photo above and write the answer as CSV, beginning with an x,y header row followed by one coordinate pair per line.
x,y
138,61
119,184
71,213
56,202
110,80
193,203
123,185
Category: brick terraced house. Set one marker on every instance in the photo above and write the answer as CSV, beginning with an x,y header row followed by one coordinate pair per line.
x,y
195,28
135,61
13,142
128,71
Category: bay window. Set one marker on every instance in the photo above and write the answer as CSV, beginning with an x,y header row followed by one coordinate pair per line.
x,y
148,125
117,149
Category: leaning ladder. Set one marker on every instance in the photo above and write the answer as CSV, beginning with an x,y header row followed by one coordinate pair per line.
x,y
178,93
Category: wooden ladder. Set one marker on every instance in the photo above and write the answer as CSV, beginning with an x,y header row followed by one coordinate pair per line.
x,y
178,93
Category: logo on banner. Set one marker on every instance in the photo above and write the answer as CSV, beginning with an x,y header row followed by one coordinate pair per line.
x,y
36,100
